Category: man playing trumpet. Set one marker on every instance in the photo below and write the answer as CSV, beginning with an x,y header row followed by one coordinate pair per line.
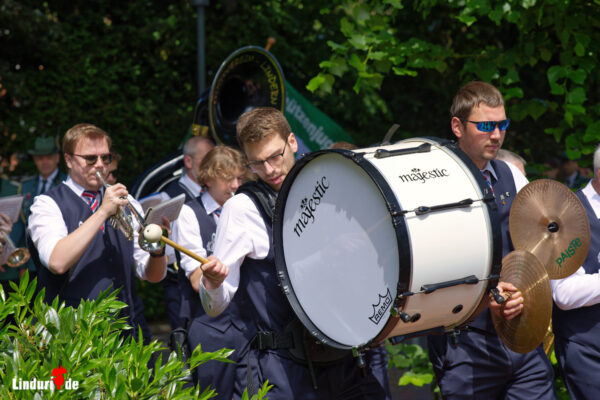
x,y
78,253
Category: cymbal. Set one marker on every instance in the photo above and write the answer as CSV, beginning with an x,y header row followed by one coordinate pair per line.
x,y
548,220
526,331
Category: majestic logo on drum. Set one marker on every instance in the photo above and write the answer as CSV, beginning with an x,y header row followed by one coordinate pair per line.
x,y
416,175
381,307
309,205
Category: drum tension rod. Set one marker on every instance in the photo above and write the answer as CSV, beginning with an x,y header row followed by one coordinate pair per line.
x,y
428,209
430,288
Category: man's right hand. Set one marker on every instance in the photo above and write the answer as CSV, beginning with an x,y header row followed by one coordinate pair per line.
x,y
214,272
115,196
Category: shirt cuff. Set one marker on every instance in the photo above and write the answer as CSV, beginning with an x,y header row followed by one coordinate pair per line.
x,y
213,300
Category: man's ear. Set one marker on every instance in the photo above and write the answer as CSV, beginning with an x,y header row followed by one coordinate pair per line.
x,y
457,127
68,160
187,161
293,142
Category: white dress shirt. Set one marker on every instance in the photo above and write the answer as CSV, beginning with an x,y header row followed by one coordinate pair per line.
x,y
192,188
241,233
186,232
579,289
48,227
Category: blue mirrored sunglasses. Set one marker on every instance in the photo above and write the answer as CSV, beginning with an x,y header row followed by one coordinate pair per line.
x,y
489,126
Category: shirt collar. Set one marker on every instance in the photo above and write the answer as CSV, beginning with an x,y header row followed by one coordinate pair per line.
x,y
488,167
210,204
50,178
190,184
77,188
593,197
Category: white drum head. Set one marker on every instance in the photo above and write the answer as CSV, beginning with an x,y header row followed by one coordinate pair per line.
x,y
342,304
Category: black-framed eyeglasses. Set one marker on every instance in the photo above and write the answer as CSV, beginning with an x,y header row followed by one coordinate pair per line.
x,y
274,161
489,126
114,173
91,159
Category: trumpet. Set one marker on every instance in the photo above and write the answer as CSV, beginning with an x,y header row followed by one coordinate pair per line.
x,y
123,221
17,256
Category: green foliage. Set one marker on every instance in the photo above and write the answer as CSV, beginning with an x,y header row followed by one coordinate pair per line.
x,y
89,343
413,360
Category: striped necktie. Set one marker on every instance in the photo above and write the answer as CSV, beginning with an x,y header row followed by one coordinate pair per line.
x,y
91,198
486,175
217,212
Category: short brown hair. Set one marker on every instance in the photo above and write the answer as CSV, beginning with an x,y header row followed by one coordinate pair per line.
x,y
259,123
472,95
80,131
221,162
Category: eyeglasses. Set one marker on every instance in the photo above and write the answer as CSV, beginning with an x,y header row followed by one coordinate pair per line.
x,y
489,126
93,158
114,173
274,161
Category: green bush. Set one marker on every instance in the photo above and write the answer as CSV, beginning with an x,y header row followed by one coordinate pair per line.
x,y
89,344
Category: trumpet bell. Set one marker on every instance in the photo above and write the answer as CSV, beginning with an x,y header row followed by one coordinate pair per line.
x,y
151,246
18,257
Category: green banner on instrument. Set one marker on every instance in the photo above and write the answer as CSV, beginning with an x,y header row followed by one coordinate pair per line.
x,y
313,129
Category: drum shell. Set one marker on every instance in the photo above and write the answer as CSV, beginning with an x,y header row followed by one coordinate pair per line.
x,y
346,251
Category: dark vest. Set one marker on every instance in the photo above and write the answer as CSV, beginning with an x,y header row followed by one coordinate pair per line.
x,y
175,188
504,194
582,324
191,307
265,303
105,263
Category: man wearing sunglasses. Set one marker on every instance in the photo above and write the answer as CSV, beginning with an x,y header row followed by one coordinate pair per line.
x,y
77,252
475,363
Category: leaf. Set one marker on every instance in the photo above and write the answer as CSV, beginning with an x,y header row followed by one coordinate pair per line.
x,y
466,19
555,73
579,50
592,133
511,76
513,92
356,63
576,96
316,82
575,109
411,378
577,76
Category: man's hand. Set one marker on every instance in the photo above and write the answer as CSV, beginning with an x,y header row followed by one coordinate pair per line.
x,y
215,272
513,305
114,197
5,225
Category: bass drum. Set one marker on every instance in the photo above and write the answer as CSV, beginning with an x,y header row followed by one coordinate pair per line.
x,y
386,241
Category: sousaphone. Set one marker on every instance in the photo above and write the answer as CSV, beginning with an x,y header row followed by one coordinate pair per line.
x,y
249,77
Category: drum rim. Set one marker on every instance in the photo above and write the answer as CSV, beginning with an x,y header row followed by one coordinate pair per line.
x,y
398,224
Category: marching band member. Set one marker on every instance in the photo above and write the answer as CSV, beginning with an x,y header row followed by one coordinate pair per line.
x,y
475,364
244,247
576,314
194,151
221,172
77,252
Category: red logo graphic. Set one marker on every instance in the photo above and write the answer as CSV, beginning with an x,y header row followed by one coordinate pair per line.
x,y
57,376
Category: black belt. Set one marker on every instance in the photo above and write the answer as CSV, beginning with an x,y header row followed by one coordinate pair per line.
x,y
266,340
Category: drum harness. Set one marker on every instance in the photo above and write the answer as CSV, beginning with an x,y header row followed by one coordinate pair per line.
x,y
301,346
